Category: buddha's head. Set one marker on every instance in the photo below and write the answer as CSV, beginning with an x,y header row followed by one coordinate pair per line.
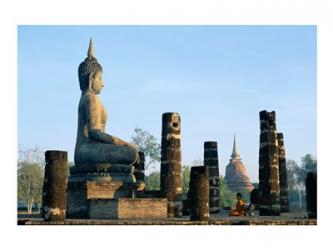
x,y
91,73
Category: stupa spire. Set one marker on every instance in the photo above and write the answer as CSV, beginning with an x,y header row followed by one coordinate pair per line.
x,y
236,176
91,49
235,154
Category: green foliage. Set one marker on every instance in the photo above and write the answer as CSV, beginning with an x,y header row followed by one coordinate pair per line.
x,y
186,178
153,181
227,197
245,195
296,180
295,175
147,143
309,163
297,199
30,177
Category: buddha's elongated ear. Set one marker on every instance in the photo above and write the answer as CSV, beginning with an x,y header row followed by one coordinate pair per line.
x,y
91,77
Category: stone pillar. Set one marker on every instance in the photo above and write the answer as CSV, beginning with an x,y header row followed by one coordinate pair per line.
x,y
171,168
255,197
311,194
269,179
139,171
199,193
211,161
284,195
55,185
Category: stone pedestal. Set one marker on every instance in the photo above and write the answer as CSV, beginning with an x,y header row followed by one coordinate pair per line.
x,y
98,181
128,208
199,193
284,196
211,162
55,184
269,179
171,168
311,194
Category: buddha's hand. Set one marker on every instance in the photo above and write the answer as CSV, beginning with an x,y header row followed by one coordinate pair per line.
x,y
137,159
132,146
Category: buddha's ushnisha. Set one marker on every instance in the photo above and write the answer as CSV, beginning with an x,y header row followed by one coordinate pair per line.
x,y
93,145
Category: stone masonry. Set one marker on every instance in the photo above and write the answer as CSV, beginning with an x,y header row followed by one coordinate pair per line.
x,y
199,193
55,185
311,194
284,197
211,161
171,167
269,180
128,208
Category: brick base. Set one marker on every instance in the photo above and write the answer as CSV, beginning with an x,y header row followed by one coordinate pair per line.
x,y
79,191
127,208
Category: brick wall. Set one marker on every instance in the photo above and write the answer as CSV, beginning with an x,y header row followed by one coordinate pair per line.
x,y
127,208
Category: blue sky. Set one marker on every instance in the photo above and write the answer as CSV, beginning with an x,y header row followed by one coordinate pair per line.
x,y
217,77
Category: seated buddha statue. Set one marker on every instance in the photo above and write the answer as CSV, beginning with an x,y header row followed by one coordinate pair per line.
x,y
93,145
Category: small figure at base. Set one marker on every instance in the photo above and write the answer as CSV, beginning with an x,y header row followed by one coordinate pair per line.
x,y
240,207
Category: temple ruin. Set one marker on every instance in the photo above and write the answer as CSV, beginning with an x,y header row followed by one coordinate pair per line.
x,y
107,181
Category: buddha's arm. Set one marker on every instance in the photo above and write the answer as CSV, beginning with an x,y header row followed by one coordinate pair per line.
x,y
93,113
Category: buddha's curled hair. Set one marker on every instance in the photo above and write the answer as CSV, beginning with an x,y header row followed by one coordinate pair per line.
x,y
88,66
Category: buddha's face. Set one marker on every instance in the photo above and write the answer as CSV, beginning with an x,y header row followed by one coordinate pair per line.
x,y
97,82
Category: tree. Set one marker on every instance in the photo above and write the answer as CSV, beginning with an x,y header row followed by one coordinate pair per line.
x,y
30,177
309,163
152,181
227,197
147,143
186,178
294,174
296,179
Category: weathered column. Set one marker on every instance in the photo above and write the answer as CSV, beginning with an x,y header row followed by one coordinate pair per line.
x,y
199,193
255,197
211,161
311,194
284,196
139,171
55,185
269,179
171,168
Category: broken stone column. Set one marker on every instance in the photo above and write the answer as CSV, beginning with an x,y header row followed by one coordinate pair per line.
x,y
284,197
269,178
255,197
199,193
311,194
171,168
139,171
211,161
55,185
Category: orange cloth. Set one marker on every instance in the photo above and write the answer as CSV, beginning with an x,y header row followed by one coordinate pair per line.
x,y
240,209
